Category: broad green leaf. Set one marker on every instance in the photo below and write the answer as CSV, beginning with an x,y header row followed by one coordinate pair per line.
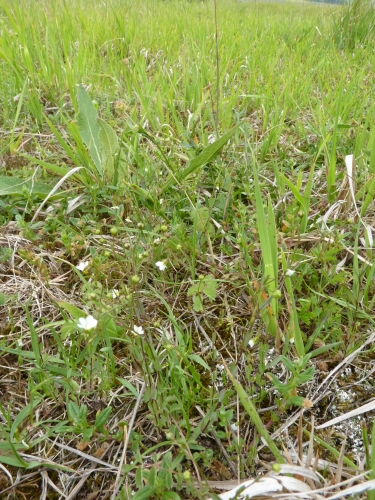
x,y
197,303
89,127
14,185
210,287
109,148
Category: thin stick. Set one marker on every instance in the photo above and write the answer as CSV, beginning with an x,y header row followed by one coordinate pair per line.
x,y
123,458
217,74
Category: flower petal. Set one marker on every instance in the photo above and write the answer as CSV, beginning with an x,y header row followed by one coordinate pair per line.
x,y
161,265
82,265
138,330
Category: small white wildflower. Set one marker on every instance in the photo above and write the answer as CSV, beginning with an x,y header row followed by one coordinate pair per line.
x,y
156,241
116,207
234,427
19,343
291,340
82,265
161,265
128,220
115,293
161,201
289,272
138,330
88,323
251,343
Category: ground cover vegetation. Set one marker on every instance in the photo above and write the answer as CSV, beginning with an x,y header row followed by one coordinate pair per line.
x,y
186,249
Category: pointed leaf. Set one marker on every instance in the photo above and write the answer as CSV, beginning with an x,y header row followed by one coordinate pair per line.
x,y
110,147
14,185
207,155
197,303
89,127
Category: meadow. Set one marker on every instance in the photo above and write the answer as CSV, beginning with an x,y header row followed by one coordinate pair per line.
x,y
186,249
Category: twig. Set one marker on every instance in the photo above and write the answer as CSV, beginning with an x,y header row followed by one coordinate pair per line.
x,y
217,73
126,443
85,476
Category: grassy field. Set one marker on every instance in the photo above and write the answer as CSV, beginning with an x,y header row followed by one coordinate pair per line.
x,y
186,249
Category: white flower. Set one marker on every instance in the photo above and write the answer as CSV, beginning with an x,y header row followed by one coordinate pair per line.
x,y
251,343
289,272
88,323
156,241
82,265
234,427
161,201
116,207
138,330
115,293
161,265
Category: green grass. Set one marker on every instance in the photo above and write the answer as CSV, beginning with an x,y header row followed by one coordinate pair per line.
x,y
229,268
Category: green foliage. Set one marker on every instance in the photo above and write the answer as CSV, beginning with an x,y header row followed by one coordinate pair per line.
x,y
101,140
207,155
355,27
89,128
205,286
24,187
78,418
266,264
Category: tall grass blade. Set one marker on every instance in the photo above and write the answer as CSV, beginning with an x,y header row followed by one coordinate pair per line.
x,y
268,243
252,412
207,155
